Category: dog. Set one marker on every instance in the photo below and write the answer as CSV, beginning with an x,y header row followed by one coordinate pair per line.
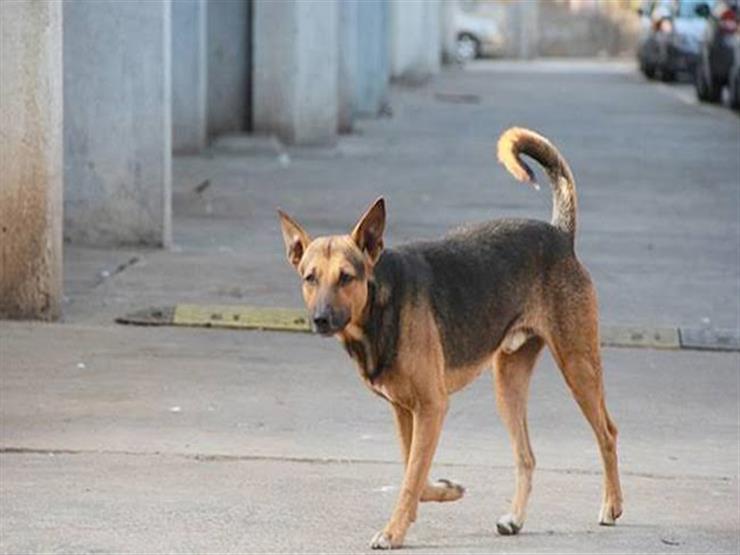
x,y
423,320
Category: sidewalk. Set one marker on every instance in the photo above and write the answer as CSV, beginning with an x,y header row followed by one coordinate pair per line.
x,y
159,440
658,226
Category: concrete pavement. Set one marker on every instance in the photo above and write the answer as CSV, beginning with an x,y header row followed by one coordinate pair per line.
x,y
657,183
172,440
124,439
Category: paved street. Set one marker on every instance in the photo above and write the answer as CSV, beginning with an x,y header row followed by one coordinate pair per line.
x,y
128,439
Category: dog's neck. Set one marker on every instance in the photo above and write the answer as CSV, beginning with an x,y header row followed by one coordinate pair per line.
x,y
358,337
372,341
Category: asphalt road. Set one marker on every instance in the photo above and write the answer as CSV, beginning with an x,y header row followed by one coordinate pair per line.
x,y
118,439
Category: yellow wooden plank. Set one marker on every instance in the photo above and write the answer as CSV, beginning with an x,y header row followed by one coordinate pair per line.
x,y
241,317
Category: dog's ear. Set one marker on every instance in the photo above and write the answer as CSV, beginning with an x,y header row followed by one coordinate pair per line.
x,y
296,240
368,233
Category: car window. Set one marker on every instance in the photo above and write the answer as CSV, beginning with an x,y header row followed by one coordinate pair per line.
x,y
687,8
681,8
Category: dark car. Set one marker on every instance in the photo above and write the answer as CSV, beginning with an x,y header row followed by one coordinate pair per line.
x,y
670,37
718,47
735,78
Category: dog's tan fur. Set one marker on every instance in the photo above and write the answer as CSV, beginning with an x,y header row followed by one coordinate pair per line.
x,y
561,313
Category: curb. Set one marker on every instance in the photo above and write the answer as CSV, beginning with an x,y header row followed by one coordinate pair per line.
x,y
295,320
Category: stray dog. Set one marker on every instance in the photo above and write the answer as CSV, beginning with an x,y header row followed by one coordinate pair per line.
x,y
422,321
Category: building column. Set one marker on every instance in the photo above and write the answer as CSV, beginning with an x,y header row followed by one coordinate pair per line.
x,y
189,75
296,69
348,60
229,41
374,57
118,131
363,59
30,159
416,41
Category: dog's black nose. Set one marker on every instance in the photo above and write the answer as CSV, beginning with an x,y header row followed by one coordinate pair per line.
x,y
321,324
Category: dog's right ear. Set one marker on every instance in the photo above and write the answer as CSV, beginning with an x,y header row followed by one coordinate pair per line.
x,y
296,240
368,233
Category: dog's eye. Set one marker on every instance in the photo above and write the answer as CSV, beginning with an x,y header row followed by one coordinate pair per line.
x,y
310,279
345,278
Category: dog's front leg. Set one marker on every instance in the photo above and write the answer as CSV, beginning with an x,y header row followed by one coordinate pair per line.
x,y
427,424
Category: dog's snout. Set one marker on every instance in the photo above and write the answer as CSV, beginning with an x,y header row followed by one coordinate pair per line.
x,y
328,321
322,323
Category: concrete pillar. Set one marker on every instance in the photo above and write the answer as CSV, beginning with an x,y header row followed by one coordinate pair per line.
x,y
117,132
374,59
189,75
363,59
229,60
295,70
527,29
449,9
30,159
415,39
349,62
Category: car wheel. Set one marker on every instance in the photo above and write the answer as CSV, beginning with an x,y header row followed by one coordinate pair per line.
x,y
467,48
707,89
648,71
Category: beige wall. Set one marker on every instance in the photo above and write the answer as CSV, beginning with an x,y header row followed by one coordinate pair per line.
x,y
30,159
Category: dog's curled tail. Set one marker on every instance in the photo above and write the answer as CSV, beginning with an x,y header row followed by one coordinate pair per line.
x,y
517,141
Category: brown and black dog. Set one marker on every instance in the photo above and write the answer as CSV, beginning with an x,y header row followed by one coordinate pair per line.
x,y
423,320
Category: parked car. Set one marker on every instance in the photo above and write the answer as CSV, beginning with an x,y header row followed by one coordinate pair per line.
x,y
476,35
718,47
735,77
670,38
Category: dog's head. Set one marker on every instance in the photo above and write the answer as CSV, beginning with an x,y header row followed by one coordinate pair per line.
x,y
336,269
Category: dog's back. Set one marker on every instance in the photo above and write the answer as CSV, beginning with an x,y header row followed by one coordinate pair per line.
x,y
479,280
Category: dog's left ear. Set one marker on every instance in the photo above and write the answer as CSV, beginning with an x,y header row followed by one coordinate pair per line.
x,y
368,233
296,240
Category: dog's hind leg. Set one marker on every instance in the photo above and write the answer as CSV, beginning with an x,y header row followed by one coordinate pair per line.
x,y
512,373
576,351
583,375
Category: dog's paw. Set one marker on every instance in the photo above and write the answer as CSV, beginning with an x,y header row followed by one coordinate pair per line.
x,y
507,525
383,540
442,491
609,513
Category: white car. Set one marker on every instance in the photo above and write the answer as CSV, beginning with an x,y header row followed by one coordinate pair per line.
x,y
476,35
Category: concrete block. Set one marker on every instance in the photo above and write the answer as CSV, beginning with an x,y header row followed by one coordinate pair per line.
x,y
296,69
31,159
117,131
229,40
189,75
415,38
710,339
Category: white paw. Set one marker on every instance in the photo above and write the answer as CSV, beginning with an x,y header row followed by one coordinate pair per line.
x,y
381,541
507,525
449,484
607,516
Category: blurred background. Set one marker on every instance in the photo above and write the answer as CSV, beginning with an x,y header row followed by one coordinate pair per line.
x,y
144,148
99,95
